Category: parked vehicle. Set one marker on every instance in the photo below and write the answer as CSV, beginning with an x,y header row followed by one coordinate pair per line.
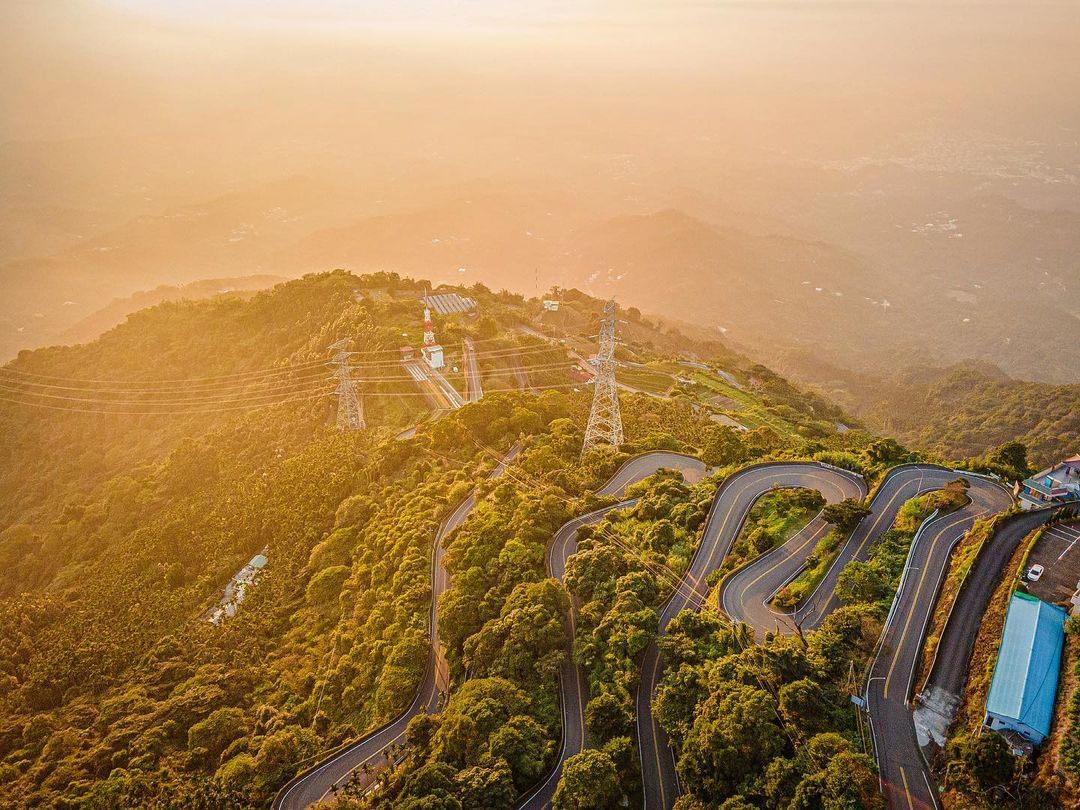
x,y
1034,573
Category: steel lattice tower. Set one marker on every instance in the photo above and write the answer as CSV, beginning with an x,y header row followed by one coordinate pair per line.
x,y
350,413
605,418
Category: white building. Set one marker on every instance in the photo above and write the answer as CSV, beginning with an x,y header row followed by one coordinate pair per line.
x,y
433,355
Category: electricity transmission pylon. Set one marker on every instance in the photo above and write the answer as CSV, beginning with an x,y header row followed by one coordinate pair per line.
x,y
605,418
350,412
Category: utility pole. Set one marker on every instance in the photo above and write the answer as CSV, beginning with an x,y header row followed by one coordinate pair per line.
x,y
350,413
605,418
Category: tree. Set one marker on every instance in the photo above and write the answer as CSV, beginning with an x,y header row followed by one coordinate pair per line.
x,y
1013,456
848,781
432,781
477,709
594,569
846,514
885,453
607,716
214,734
527,641
487,328
589,782
523,744
734,735
987,758
485,788
723,446
861,582
324,587
676,699
238,772
803,706
660,536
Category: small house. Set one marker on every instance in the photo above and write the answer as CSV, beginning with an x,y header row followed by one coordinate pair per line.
x,y
1054,485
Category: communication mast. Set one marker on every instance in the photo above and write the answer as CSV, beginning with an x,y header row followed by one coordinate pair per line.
x,y
431,351
605,418
350,414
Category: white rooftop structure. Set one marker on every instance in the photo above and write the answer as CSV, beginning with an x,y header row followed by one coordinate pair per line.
x,y
448,303
433,355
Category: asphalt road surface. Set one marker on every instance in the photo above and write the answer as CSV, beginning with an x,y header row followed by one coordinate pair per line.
x,y
905,779
745,595
732,502
319,782
573,685
936,704
474,391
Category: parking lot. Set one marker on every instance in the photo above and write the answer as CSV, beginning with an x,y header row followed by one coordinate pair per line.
x,y
1058,551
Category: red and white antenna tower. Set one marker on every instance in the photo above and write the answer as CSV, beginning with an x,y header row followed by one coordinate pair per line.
x,y
429,327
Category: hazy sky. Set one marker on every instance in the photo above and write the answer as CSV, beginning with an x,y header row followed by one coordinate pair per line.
x,y
114,113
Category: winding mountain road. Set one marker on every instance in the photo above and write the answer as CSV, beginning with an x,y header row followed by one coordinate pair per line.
x,y
320,781
904,777
730,506
573,685
744,596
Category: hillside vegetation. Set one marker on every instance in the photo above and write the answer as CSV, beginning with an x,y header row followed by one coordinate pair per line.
x,y
118,534
967,409
959,411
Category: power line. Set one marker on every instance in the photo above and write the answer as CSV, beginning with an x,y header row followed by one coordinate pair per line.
x,y
247,377
250,405
189,412
309,384
562,364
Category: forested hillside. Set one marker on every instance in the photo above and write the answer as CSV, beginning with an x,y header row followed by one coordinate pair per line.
x,y
960,411
968,409
119,531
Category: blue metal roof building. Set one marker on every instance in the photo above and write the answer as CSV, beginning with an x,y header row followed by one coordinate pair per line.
x,y
1026,676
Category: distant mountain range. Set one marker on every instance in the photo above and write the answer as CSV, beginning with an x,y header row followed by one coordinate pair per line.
x,y
981,278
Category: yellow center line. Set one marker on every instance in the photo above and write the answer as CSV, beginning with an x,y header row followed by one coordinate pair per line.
x,y
907,790
914,603
720,531
813,537
655,730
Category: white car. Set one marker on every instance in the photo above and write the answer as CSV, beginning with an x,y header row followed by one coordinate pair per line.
x,y
1034,573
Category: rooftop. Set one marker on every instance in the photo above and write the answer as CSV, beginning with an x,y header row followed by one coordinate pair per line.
x,y
1064,475
446,303
1026,675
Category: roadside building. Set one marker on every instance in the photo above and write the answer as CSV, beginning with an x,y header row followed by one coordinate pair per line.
x,y
1054,485
1025,682
433,355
